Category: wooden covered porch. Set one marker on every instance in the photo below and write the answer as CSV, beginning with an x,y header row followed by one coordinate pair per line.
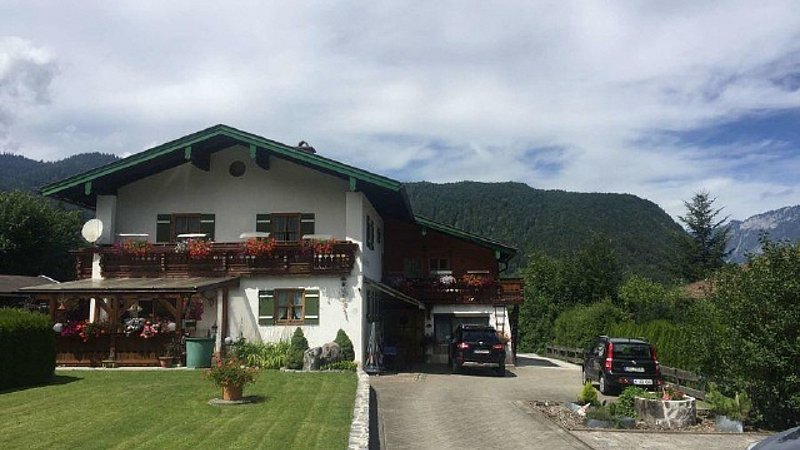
x,y
130,321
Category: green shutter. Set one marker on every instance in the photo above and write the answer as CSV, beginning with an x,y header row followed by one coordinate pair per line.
x,y
207,225
163,227
306,224
266,308
312,307
263,223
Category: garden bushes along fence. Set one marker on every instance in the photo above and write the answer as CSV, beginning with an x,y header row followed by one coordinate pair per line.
x,y
27,348
579,326
673,342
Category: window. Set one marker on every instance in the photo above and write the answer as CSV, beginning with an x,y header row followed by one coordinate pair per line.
x,y
288,307
169,226
412,268
437,264
286,227
370,233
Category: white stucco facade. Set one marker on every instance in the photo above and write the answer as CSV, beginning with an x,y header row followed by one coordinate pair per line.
x,y
284,188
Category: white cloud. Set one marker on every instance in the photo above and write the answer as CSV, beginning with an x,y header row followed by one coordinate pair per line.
x,y
439,91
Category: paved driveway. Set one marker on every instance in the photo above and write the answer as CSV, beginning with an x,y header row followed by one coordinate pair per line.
x,y
437,410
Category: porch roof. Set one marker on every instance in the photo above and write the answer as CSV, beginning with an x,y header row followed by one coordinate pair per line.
x,y
191,285
393,293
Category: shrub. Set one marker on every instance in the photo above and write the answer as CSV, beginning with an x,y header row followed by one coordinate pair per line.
x,y
298,345
265,355
230,371
752,334
579,326
600,413
624,404
736,408
27,348
344,342
340,365
588,395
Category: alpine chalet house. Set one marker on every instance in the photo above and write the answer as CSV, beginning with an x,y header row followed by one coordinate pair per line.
x,y
225,233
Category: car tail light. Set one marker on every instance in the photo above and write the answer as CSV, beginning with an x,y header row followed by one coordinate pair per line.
x,y
463,346
498,347
655,360
609,355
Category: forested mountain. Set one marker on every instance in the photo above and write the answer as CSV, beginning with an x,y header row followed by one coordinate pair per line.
x,y
19,172
556,222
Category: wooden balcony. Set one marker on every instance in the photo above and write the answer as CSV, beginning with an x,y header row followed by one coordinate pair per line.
x,y
490,291
225,259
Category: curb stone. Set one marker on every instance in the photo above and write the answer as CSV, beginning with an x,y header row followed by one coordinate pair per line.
x,y
359,429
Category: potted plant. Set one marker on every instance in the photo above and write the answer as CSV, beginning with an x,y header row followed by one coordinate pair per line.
x,y
172,351
259,247
134,247
730,412
231,375
198,248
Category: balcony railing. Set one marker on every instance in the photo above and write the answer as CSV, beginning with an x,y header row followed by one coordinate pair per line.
x,y
458,290
225,259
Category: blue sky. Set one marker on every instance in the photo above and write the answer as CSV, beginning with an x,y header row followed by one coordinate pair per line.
x,y
655,99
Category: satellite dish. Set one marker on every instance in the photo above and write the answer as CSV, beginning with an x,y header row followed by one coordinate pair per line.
x,y
92,230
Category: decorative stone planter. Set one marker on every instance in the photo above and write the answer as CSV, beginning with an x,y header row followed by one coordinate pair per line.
x,y
666,413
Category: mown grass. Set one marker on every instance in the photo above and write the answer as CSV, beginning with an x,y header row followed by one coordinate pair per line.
x,y
169,409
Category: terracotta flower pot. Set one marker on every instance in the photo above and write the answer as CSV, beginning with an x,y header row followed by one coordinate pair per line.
x,y
231,392
166,361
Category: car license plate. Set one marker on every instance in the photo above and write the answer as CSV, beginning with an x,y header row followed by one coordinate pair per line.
x,y
482,352
634,369
638,381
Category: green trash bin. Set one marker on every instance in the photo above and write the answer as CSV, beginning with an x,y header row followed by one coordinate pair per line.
x,y
198,352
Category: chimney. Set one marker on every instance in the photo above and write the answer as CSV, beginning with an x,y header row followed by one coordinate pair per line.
x,y
303,146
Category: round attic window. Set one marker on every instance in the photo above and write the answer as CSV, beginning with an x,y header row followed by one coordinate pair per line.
x,y
237,169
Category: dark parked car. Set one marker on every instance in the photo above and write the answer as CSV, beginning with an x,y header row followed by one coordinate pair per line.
x,y
616,363
477,346
785,440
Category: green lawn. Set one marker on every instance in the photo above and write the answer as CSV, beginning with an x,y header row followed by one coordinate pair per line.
x,y
160,409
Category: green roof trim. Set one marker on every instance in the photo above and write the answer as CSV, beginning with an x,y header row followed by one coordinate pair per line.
x,y
252,140
506,252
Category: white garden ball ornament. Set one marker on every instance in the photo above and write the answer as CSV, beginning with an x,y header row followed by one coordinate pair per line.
x,y
58,327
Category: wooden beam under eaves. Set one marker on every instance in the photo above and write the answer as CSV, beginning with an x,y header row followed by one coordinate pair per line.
x,y
261,157
201,160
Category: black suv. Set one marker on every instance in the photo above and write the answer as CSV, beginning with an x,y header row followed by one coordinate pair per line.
x,y
477,346
616,363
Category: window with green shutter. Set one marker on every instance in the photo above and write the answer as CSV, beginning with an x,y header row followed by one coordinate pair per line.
x,y
306,224
164,228
311,307
285,227
266,308
263,223
288,307
169,226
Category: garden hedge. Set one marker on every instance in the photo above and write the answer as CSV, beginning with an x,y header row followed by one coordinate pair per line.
x,y
27,348
674,343
579,326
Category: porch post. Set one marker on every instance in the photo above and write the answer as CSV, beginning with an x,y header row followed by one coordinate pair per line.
x,y
223,326
218,337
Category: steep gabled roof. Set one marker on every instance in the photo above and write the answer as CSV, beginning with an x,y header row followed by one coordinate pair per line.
x,y
505,252
83,188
